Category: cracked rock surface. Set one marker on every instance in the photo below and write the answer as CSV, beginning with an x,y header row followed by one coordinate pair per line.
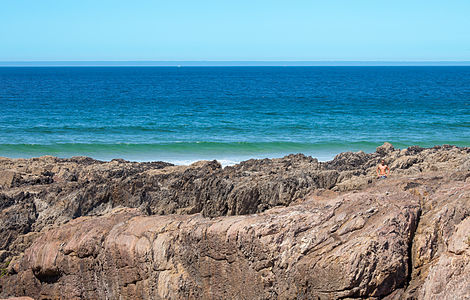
x,y
288,228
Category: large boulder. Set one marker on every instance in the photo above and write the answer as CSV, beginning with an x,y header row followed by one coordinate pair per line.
x,y
352,245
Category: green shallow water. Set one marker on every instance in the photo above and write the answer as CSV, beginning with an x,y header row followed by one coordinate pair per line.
x,y
185,153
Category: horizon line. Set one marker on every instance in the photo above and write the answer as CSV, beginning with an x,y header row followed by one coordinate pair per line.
x,y
227,63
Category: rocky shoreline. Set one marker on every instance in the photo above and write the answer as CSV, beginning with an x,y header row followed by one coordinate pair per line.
x,y
287,228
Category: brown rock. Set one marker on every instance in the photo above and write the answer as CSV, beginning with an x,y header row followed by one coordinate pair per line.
x,y
6,178
354,245
385,149
273,228
441,251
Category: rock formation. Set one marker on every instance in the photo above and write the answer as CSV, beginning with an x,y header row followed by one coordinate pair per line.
x,y
282,228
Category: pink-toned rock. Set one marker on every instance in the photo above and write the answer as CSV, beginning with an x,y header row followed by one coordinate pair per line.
x,y
441,248
352,245
288,228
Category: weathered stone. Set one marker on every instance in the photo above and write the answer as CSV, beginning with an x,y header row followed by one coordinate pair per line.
x,y
283,253
385,149
6,178
282,228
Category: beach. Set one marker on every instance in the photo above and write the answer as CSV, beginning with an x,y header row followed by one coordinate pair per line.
x,y
231,114
234,150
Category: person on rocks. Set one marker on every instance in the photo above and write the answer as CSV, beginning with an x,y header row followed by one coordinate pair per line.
x,y
383,171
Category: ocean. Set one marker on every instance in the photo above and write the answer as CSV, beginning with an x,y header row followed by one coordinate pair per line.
x,y
231,114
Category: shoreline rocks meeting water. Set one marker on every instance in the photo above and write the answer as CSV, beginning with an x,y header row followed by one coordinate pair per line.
x,y
285,228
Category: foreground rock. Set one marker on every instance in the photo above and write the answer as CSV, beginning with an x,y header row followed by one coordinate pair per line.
x,y
334,232
441,247
355,245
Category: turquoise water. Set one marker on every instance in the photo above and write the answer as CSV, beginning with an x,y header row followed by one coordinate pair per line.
x,y
228,113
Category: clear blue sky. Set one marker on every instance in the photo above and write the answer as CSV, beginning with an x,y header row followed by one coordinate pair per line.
x,y
234,30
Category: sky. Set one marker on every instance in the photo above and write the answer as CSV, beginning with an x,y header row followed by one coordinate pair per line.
x,y
242,30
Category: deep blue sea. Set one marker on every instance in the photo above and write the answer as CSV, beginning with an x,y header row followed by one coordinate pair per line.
x,y
228,113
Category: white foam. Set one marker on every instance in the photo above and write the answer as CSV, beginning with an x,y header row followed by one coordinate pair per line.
x,y
185,162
